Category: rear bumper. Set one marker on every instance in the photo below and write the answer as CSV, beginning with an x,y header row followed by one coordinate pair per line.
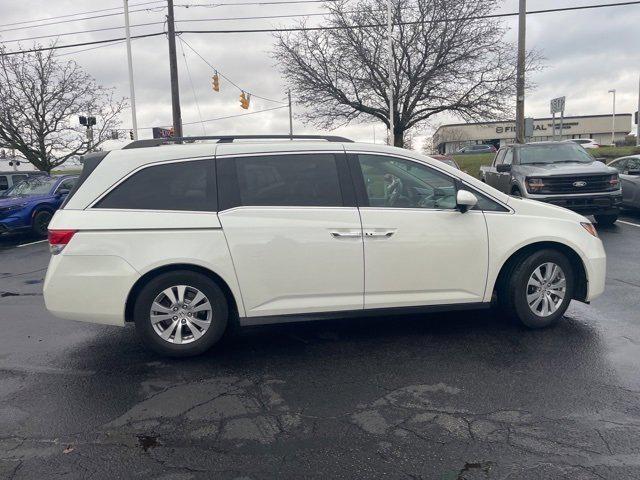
x,y
89,288
584,204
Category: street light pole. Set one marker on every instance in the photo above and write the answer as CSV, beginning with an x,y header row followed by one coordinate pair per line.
x,y
173,71
613,118
522,29
290,115
391,70
638,120
132,90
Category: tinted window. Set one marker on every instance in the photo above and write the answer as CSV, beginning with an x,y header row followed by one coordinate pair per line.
x,y
398,183
289,180
67,184
18,178
4,183
172,186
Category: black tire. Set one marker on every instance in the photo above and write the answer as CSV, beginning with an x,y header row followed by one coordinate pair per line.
x,y
513,291
142,314
40,222
606,220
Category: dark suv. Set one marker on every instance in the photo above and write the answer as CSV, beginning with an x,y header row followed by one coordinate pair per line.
x,y
561,173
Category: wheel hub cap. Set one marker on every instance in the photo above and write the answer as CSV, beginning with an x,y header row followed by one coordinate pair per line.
x,y
546,289
181,314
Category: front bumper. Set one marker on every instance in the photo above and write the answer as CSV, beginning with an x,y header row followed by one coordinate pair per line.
x,y
585,204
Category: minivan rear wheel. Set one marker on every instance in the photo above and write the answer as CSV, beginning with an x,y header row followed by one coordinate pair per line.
x,y
539,289
180,314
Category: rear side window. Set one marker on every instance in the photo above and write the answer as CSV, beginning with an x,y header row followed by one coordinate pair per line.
x,y
288,180
187,186
4,182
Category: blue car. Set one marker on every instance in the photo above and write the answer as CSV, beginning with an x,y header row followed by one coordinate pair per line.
x,y
30,204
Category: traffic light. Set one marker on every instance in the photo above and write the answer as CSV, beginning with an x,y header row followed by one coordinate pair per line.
x,y
131,134
245,98
215,83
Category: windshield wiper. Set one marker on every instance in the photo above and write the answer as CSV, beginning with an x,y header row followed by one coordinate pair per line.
x,y
536,163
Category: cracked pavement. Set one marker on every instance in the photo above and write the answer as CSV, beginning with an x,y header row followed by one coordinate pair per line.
x,y
444,396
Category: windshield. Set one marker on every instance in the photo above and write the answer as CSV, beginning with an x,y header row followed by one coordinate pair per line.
x,y
554,153
31,186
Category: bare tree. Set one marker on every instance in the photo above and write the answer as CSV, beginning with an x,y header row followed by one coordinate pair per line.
x,y
446,59
40,101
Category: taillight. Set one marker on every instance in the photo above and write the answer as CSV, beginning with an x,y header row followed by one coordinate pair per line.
x,y
58,239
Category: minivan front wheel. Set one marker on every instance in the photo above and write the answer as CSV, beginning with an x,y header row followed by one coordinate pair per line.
x,y
180,314
539,289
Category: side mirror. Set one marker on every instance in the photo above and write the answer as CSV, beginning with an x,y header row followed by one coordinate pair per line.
x,y
465,200
503,167
634,172
62,192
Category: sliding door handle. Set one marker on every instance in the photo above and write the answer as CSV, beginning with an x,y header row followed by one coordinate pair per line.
x,y
379,233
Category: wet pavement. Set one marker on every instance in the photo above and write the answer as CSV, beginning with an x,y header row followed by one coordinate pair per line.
x,y
446,396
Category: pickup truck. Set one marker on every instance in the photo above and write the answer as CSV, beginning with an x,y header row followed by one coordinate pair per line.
x,y
561,173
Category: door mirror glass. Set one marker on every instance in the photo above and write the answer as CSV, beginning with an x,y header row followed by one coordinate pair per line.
x,y
466,200
503,167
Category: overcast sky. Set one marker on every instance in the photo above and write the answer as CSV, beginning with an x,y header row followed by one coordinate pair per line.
x,y
586,54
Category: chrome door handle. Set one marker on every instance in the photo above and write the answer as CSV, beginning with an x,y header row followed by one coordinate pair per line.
x,y
379,233
346,233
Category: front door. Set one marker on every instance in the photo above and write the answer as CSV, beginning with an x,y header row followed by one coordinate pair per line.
x,y
293,231
419,248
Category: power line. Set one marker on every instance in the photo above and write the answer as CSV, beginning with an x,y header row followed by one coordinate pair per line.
x,y
193,89
76,14
224,76
298,29
210,5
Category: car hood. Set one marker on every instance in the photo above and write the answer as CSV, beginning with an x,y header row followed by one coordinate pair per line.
x,y
526,206
11,201
593,168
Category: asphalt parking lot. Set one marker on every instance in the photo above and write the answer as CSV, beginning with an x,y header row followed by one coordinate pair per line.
x,y
446,396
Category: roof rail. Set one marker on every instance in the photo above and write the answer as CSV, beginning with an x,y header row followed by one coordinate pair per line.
x,y
155,142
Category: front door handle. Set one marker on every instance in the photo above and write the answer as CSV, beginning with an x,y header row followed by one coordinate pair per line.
x,y
379,233
346,233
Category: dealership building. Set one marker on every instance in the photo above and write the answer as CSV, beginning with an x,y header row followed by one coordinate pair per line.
x,y
450,138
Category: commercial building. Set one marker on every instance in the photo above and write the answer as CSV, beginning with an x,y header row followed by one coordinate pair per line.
x,y
450,138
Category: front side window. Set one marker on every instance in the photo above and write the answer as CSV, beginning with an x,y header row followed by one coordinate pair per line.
x,y
187,186
508,157
67,184
399,183
301,180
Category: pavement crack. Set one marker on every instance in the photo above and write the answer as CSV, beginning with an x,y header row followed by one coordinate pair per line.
x,y
606,443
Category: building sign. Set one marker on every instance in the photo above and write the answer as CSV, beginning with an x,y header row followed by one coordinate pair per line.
x,y
557,105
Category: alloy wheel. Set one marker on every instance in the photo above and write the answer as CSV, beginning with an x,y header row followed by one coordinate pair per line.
x,y
181,314
546,289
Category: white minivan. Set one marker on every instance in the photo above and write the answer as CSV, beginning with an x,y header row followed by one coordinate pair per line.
x,y
188,239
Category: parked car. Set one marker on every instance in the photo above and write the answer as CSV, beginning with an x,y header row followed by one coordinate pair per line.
x,y
586,143
475,149
30,204
186,240
9,179
561,173
629,169
446,159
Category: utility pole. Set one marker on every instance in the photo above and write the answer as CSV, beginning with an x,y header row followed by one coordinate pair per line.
x,y
638,117
613,118
173,71
391,70
522,29
134,120
290,115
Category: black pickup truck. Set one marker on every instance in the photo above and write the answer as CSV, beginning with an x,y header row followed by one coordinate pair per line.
x,y
561,173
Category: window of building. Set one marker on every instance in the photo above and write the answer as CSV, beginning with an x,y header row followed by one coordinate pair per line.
x,y
289,180
187,186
